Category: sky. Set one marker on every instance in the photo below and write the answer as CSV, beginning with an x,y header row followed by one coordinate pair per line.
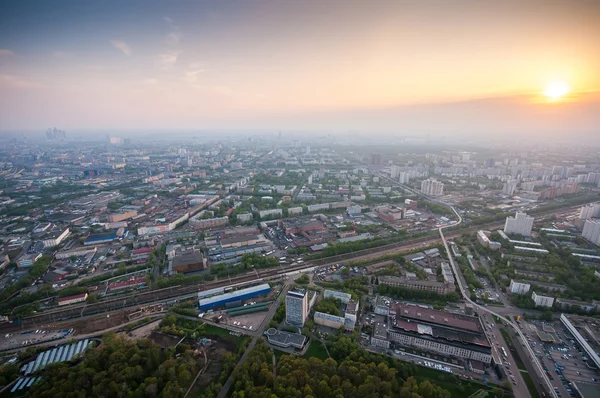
x,y
428,66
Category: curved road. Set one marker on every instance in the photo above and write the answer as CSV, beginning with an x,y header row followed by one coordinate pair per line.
x,y
467,297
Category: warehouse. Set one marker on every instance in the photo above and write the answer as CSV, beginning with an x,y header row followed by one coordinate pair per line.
x,y
221,300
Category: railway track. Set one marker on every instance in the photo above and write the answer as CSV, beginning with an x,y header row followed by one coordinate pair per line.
x,y
189,291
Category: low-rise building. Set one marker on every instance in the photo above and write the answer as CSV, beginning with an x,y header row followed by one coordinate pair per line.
x,y
542,301
27,260
78,298
188,261
414,283
56,238
516,287
379,338
483,237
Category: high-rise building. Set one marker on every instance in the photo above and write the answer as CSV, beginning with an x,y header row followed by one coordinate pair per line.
x,y
591,231
394,171
520,224
404,177
432,187
296,307
590,211
376,159
509,187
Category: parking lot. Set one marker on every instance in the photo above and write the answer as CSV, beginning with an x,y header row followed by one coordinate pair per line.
x,y
563,360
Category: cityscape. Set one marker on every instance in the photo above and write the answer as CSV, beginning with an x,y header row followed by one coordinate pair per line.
x,y
159,243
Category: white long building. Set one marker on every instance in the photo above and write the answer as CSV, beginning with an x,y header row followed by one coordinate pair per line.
x,y
542,301
520,224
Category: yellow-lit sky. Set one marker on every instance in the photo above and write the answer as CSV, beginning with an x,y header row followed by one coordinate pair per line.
x,y
281,64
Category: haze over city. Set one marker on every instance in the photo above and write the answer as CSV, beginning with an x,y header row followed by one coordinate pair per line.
x,y
247,199
401,67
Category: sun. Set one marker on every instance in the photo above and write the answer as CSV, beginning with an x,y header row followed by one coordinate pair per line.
x,y
556,90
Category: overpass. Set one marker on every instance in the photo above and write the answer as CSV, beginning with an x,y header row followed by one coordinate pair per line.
x,y
507,321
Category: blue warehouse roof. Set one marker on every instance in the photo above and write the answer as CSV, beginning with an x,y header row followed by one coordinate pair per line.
x,y
214,301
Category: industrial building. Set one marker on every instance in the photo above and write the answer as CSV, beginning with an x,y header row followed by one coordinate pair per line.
x,y
411,281
585,333
78,298
440,332
56,238
116,217
27,260
189,261
242,294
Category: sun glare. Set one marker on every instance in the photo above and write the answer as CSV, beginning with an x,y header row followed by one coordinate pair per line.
x,y
556,90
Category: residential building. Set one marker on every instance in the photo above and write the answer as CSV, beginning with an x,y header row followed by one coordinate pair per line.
x,y
483,237
244,217
542,301
206,223
509,187
272,213
518,287
520,224
590,211
331,321
350,315
591,231
432,187
296,307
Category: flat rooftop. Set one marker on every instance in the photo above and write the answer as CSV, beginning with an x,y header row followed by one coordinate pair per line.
x,y
441,318
285,339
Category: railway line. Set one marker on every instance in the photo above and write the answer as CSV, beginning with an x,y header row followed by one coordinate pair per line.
x,y
180,292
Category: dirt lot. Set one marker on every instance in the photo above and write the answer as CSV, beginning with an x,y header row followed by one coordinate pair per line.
x,y
215,354
142,332
102,322
163,340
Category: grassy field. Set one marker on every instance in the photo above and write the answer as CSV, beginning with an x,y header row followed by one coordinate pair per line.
x,y
316,350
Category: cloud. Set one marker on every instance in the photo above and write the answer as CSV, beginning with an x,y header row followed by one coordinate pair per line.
x,y
173,38
5,52
192,75
17,81
121,45
167,60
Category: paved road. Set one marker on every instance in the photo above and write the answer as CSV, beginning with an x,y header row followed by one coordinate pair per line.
x,y
466,295
230,380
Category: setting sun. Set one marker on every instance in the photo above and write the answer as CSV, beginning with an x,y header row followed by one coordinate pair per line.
x,y
556,90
